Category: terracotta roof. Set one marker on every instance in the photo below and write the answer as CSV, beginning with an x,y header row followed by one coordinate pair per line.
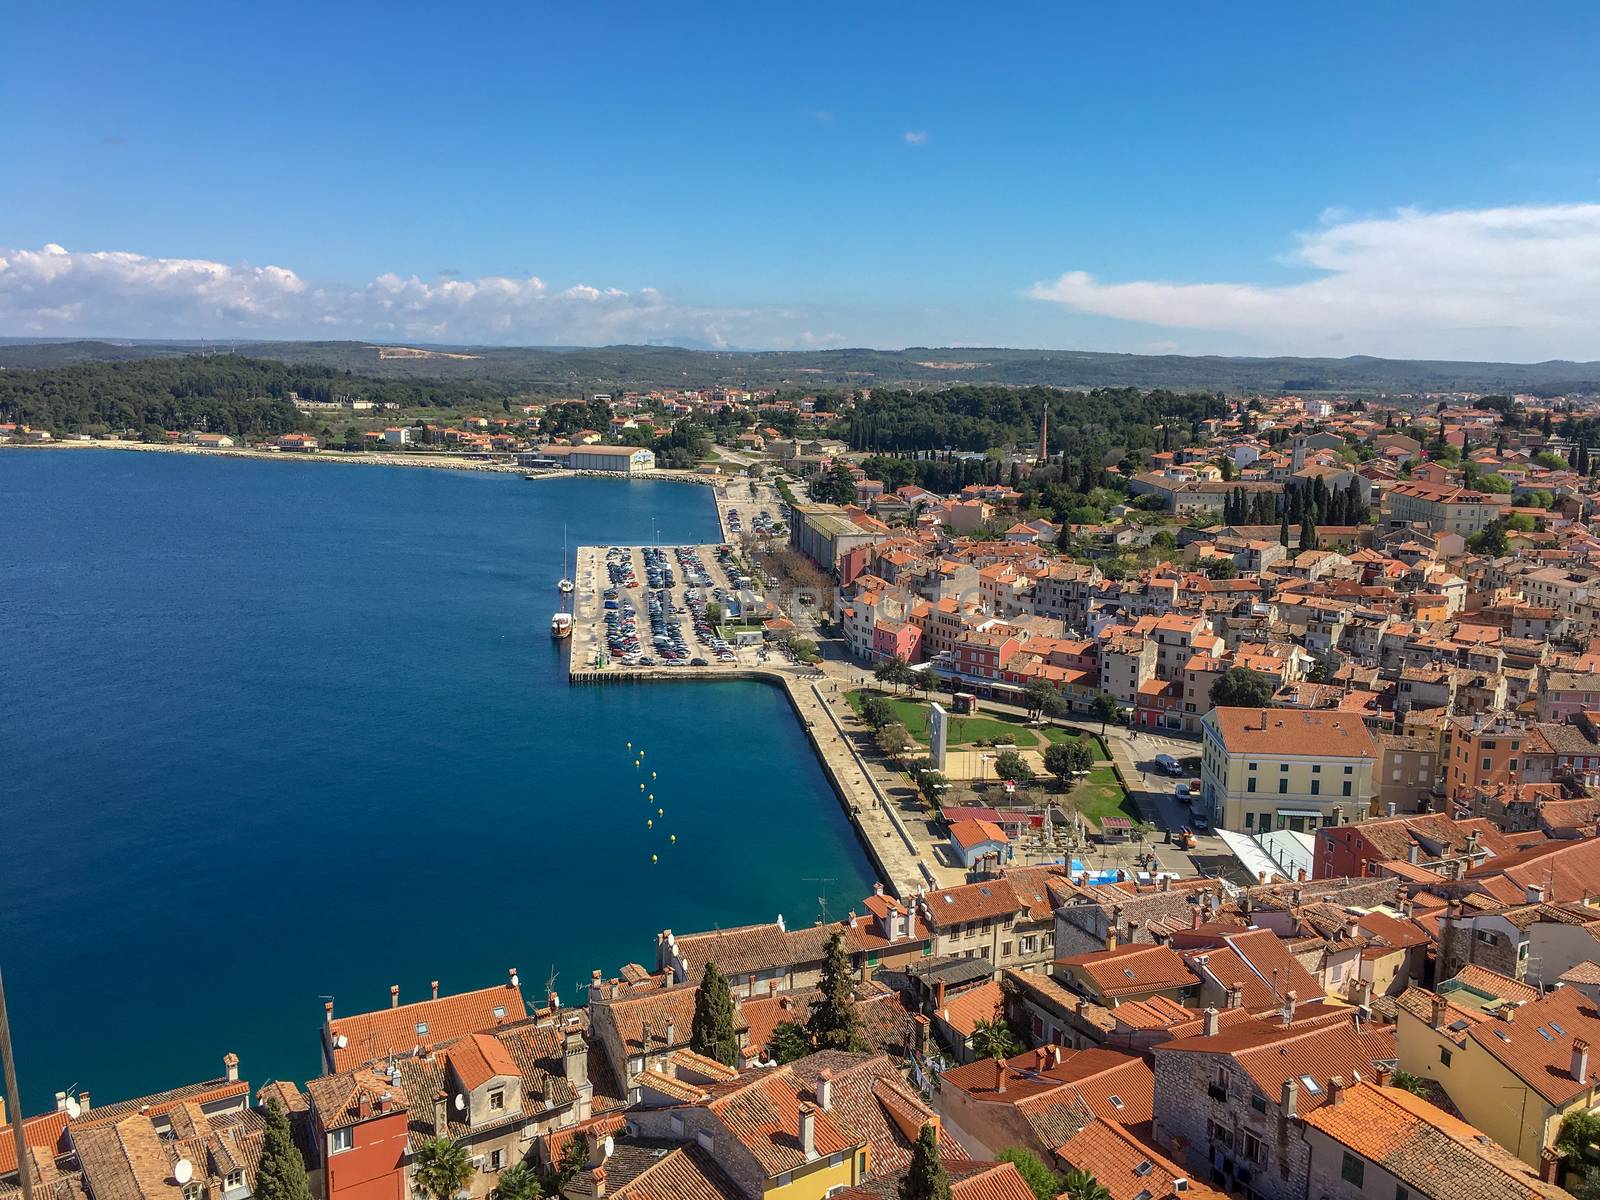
x,y
1294,731
370,1036
1428,1151
1481,979
1133,968
871,1103
963,1010
764,1116
478,1058
686,1173
968,1181
1126,1167
1536,1046
970,902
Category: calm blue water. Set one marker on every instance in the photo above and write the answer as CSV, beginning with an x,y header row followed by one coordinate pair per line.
x,y
275,731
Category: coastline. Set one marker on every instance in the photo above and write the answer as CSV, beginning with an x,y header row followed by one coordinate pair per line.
x,y
366,459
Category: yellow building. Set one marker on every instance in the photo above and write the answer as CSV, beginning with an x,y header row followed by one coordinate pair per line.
x,y
1276,768
1515,1074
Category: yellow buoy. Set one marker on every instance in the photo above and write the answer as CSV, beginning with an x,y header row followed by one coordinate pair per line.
x,y
652,796
661,812
649,824
674,838
641,787
630,745
653,858
641,754
652,774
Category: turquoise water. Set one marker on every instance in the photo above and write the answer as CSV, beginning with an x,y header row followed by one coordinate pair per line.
x,y
276,731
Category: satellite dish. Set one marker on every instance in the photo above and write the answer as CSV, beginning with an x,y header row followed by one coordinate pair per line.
x,y
74,1109
183,1170
461,1102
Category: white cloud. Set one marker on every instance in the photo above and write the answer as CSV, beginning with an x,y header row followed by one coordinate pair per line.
x,y
1516,283
59,292
916,137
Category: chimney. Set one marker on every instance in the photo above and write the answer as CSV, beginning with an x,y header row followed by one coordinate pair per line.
x,y
230,1066
672,1033
825,1090
552,1001
1352,928
1550,1161
808,1131
1235,996
1261,878
511,978
394,995
1194,918
877,888
327,1012
1300,875
83,1106
1166,882
1580,1060
938,996
597,1180
1212,1023
999,1076
435,989
363,1106
1041,1059
1335,1089
600,1149
1289,999
1391,808
1535,893
61,1102
1440,1007
575,1059
1291,1096
1111,937
1385,1073
1508,1013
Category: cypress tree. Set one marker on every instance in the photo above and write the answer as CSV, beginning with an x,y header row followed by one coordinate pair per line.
x,y
281,1174
1308,533
1283,530
925,1178
712,1032
833,1015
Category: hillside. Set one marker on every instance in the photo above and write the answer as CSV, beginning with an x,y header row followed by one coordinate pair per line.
x,y
559,370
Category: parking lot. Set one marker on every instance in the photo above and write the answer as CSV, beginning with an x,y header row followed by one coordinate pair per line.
x,y
644,607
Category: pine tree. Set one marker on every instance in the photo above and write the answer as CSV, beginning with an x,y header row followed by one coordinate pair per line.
x,y
712,1032
833,1015
281,1174
925,1178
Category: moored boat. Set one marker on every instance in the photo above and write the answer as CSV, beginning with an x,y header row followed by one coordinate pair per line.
x,y
561,625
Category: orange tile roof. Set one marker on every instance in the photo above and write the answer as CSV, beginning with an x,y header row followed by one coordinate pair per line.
x,y
1132,968
764,1116
478,1058
1293,731
372,1035
963,1010
1126,1167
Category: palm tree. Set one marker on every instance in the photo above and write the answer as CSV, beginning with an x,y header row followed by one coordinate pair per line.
x,y
1080,1185
994,1039
519,1182
442,1168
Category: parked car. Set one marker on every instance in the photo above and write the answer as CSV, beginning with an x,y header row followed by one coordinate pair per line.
x,y
1169,764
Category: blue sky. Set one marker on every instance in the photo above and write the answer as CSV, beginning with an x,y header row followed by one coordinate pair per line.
x,y
1396,179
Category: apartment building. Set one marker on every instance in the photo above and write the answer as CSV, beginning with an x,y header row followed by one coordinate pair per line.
x,y
1264,769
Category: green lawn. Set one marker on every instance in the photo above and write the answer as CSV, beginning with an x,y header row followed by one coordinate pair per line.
x,y
1098,795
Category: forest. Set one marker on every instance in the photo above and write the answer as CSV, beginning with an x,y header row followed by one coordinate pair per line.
x,y
221,394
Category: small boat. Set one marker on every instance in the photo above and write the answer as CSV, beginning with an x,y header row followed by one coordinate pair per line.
x,y
561,625
565,586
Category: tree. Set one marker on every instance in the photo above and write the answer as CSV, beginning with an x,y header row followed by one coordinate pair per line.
x,y
838,486
789,1042
1105,707
1011,766
994,1039
281,1174
1240,687
894,671
1319,672
1044,1183
877,711
1058,760
893,740
518,1182
1081,1185
443,1167
925,1178
832,1024
1221,568
713,614
1491,539
1579,1137
932,785
1407,1082
712,1033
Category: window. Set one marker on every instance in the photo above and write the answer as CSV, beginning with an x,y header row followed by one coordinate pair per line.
x,y
192,1191
496,1159
1259,1103
1283,786
1352,1169
497,1099
1400,1193
235,1179
1486,762
499,1012
1349,770
1252,1148
1253,766
422,1028
1316,787
1316,768
1250,785
1444,1056
1283,767
1250,818
340,1140
1005,949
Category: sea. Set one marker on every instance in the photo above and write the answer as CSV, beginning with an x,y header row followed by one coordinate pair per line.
x,y
278,732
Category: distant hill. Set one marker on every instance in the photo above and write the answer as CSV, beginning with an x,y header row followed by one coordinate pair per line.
x,y
565,370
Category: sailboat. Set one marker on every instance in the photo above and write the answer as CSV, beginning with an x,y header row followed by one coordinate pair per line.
x,y
565,586
561,619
